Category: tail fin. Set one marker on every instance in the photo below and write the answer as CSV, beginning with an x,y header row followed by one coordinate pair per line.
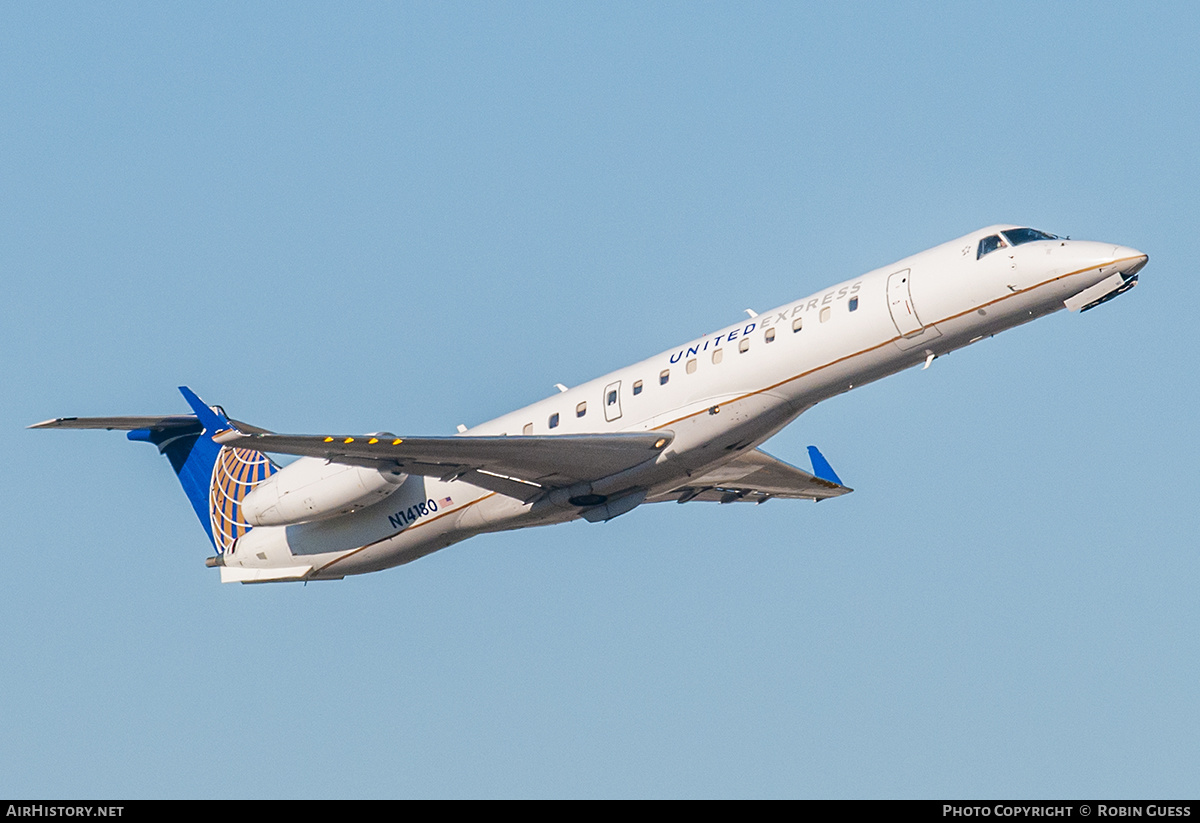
x,y
215,478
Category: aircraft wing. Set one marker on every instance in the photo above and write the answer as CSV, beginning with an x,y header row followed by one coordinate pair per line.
x,y
520,466
756,477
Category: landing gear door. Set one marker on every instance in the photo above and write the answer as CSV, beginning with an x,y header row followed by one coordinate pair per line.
x,y
900,304
612,401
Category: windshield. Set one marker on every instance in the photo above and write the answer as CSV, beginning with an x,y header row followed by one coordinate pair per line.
x,y
1019,236
989,244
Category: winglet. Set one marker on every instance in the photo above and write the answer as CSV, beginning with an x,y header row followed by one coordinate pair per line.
x,y
821,467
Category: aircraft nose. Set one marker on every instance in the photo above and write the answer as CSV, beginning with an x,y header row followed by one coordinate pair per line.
x,y
1129,261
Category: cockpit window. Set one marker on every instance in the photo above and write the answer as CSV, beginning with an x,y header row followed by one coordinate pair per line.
x,y
989,244
1019,236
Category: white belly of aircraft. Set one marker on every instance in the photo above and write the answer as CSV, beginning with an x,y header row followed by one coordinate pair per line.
x,y
683,425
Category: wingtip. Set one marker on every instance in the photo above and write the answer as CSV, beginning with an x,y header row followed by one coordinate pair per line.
x,y
821,467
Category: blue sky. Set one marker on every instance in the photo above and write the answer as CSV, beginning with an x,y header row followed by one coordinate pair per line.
x,y
404,217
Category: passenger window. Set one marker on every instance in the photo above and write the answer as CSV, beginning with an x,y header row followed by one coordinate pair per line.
x,y
581,409
664,376
554,420
611,399
988,245
825,312
718,355
691,366
769,335
797,324
853,304
744,346
637,387
528,429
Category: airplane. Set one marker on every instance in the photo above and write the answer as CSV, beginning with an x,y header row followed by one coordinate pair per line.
x,y
684,425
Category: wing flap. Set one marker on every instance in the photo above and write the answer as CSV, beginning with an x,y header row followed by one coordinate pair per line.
x,y
755,477
519,466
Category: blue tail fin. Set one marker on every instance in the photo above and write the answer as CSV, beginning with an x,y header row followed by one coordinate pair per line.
x,y
215,478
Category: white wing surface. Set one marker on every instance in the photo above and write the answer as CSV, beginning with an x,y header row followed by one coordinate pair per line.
x,y
754,477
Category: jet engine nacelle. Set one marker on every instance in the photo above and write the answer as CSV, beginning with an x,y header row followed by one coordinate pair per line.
x,y
313,489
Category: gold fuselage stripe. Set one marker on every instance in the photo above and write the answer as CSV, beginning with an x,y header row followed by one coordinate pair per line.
x,y
813,370
889,341
353,552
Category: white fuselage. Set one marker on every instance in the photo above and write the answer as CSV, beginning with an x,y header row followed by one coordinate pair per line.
x,y
721,393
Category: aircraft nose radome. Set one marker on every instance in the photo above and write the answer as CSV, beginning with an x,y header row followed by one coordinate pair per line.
x,y
1130,260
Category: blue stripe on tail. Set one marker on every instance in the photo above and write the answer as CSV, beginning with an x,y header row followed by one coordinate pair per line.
x,y
214,478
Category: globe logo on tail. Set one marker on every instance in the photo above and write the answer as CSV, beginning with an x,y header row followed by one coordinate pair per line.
x,y
235,473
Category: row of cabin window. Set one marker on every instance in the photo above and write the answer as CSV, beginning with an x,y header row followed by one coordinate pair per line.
x,y
718,354
768,336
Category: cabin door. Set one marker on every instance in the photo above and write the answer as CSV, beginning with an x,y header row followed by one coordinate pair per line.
x,y
612,401
900,304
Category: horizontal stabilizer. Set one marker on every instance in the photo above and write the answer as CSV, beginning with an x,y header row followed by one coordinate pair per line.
x,y
161,422
126,423
214,479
